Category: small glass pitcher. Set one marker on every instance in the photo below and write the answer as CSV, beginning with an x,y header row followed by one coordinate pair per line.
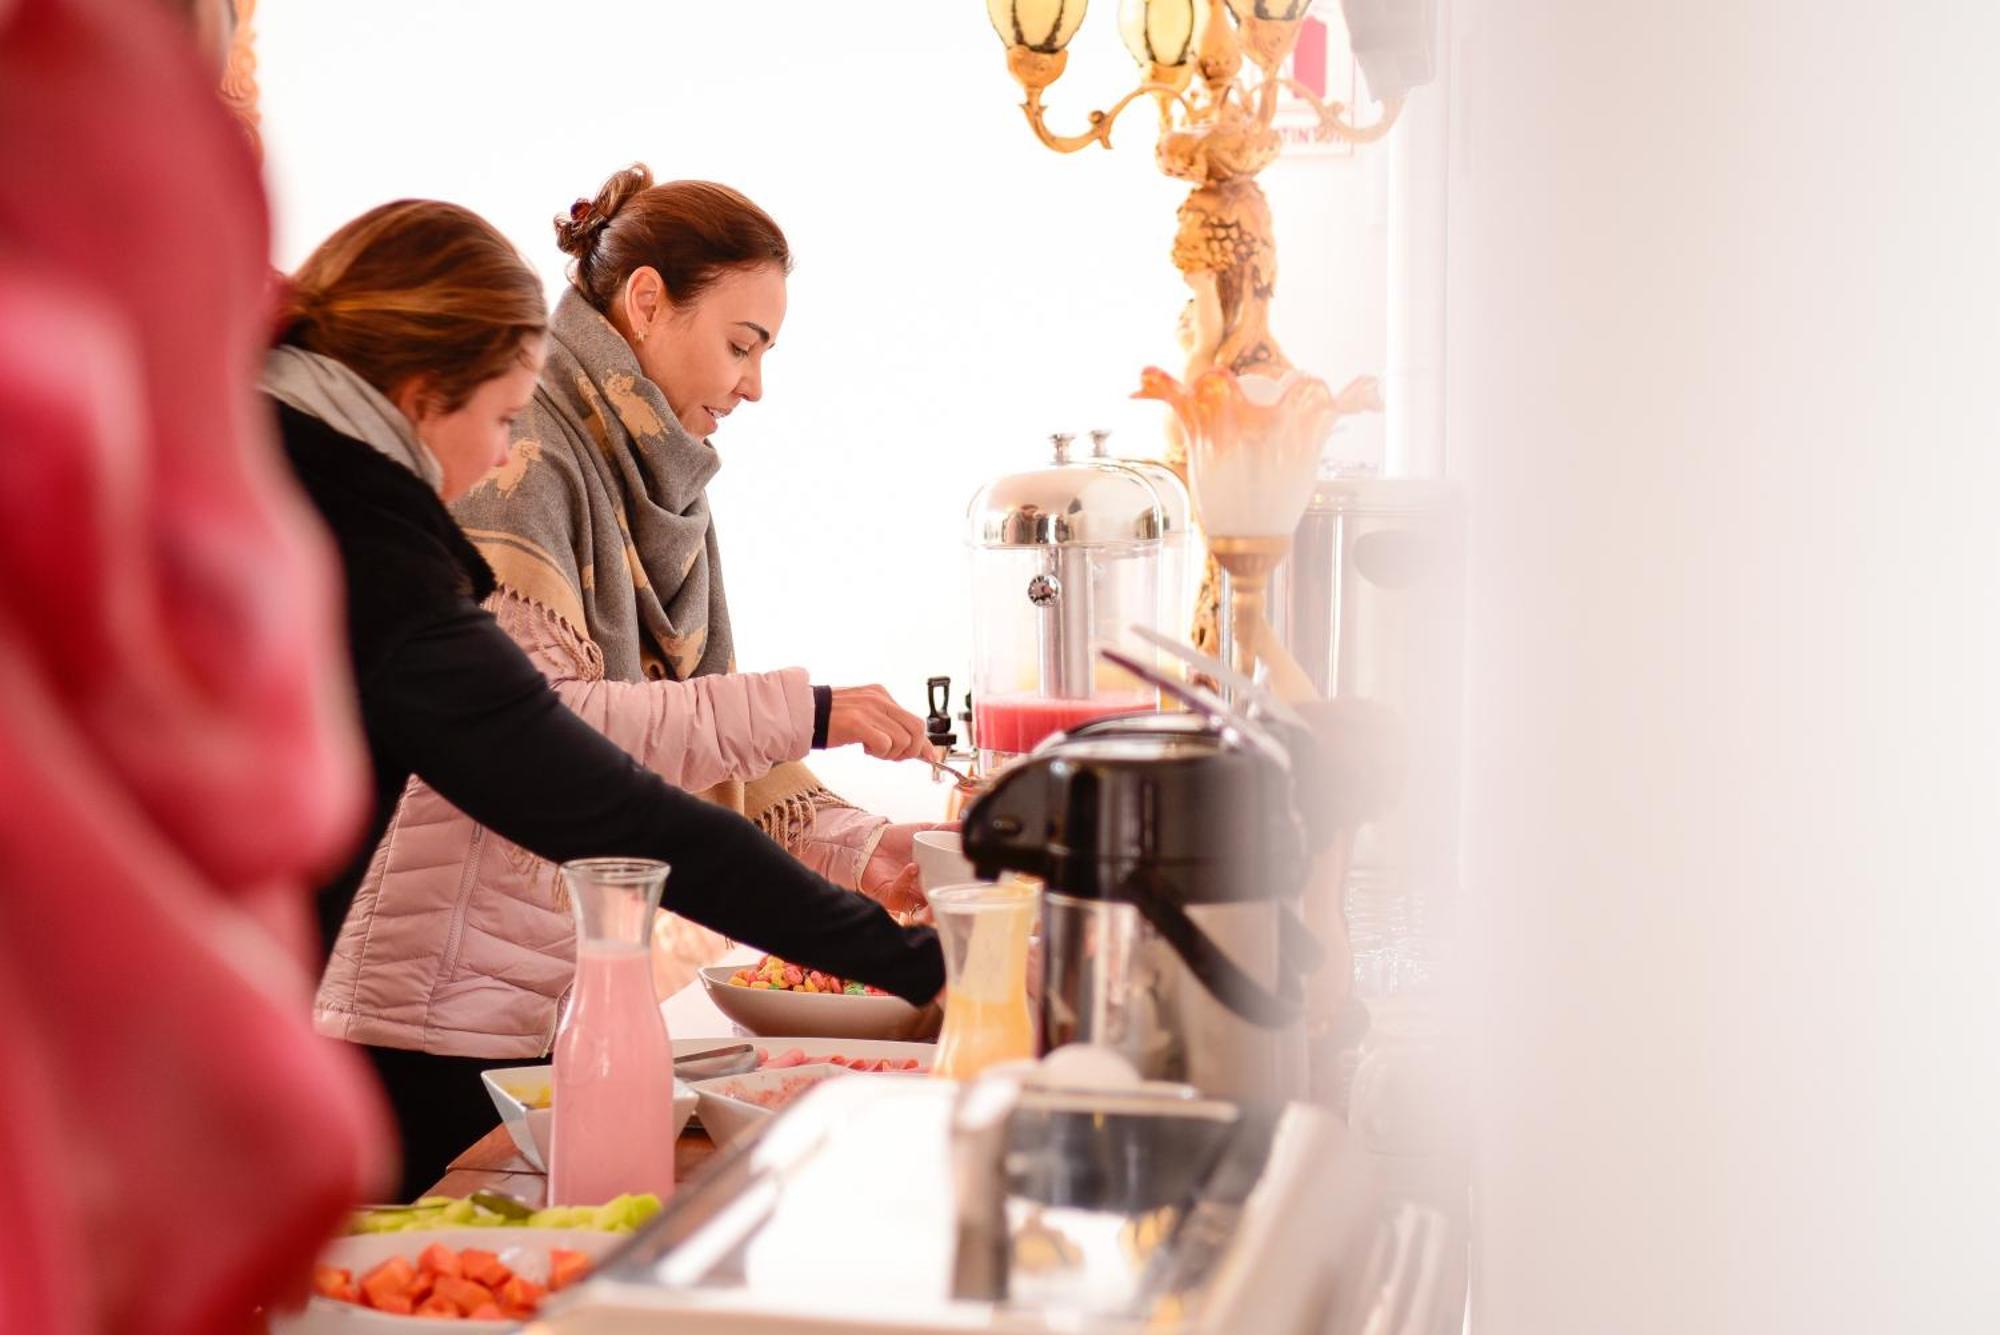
x,y
613,1119
984,929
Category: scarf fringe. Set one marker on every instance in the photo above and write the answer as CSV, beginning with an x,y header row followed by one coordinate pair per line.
x,y
506,604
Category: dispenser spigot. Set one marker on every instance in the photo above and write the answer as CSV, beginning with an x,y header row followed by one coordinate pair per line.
x,y
937,724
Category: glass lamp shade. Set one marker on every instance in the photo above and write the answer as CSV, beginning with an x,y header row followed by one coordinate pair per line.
x,y
1039,25
1162,33
1282,11
1253,445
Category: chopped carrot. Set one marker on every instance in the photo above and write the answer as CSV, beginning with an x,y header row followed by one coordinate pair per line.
x,y
483,1266
437,1307
447,1285
394,1278
566,1267
438,1259
464,1294
332,1282
521,1295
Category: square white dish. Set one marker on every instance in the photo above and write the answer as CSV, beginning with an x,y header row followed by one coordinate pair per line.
x,y
514,1089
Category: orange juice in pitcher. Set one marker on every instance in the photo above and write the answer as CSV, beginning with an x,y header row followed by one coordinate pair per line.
x,y
984,930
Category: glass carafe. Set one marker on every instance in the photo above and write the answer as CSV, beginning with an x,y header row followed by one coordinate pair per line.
x,y
984,930
614,1068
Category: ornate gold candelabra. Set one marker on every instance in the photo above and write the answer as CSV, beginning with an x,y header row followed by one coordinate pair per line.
x,y
1216,133
239,75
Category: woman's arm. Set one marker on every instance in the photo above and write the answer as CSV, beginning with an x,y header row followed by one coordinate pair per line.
x,y
694,734
467,711
840,842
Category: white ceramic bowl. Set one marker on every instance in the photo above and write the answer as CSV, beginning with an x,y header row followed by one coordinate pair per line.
x,y
729,1106
768,1012
514,1088
524,1250
940,858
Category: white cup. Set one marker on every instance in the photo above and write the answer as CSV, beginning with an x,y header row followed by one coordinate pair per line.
x,y
940,858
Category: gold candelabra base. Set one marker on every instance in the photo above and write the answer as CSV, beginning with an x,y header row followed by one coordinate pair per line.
x,y
1248,562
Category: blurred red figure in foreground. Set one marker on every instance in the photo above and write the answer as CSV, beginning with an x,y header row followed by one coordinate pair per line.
x,y
175,750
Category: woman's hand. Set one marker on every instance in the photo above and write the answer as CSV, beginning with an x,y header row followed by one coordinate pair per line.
x,y
890,878
884,729
902,896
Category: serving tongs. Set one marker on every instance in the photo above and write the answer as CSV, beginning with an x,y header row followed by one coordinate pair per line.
x,y
1206,703
1249,688
942,770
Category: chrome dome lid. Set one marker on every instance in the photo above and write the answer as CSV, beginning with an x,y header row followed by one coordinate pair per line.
x,y
1067,504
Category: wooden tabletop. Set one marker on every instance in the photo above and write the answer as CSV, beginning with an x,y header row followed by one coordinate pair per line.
x,y
494,1164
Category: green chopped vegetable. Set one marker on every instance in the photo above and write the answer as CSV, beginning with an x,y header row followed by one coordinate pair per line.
x,y
621,1214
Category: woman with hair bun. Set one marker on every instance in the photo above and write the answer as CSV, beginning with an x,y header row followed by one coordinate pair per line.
x,y
599,533
412,341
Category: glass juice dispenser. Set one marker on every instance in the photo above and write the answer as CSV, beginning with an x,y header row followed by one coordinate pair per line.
x,y
1065,559
1177,512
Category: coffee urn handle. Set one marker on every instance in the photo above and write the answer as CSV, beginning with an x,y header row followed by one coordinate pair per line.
x,y
1221,975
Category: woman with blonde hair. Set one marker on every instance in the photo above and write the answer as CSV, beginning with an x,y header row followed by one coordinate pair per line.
x,y
413,340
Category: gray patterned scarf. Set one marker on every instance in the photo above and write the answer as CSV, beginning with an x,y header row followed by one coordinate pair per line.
x,y
600,514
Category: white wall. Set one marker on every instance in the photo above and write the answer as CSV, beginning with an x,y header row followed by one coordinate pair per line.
x,y
960,291
1725,314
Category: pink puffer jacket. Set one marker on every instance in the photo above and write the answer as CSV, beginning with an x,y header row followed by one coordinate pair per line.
x,y
459,942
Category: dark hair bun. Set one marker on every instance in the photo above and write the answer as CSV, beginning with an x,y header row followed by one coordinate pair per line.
x,y
688,232
577,231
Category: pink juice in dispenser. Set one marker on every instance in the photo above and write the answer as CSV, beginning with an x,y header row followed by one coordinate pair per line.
x,y
613,1119
1020,723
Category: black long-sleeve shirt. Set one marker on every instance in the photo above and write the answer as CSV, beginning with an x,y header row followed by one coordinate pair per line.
x,y
446,695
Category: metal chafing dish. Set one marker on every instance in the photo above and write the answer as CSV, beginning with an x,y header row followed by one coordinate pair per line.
x,y
911,1204
1371,605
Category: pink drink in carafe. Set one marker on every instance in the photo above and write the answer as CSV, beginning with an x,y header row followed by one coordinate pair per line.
x,y
613,1119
